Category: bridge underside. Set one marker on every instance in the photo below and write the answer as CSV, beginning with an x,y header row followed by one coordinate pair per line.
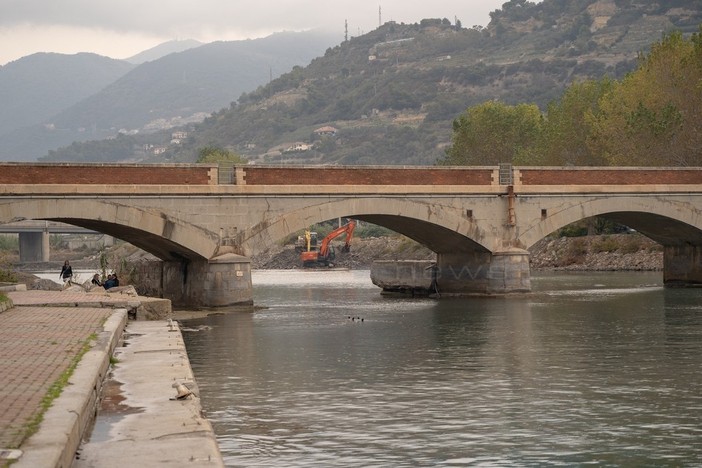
x,y
157,245
436,238
682,245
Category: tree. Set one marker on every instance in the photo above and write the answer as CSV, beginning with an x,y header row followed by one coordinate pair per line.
x,y
213,154
492,132
567,127
653,117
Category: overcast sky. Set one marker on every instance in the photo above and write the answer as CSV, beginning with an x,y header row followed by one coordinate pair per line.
x,y
120,29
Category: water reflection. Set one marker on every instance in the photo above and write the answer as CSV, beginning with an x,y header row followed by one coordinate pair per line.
x,y
587,370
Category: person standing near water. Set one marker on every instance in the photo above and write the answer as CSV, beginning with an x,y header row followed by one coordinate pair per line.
x,y
66,272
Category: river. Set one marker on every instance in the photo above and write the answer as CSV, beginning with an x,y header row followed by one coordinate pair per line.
x,y
592,368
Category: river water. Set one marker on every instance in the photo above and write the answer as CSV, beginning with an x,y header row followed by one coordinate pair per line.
x,y
600,369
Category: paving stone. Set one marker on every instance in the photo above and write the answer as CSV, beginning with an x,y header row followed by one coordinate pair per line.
x,y
37,344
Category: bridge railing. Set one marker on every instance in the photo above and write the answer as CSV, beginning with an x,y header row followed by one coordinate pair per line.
x,y
313,176
113,174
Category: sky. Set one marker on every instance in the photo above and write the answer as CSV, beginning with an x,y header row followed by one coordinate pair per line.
x,y
121,29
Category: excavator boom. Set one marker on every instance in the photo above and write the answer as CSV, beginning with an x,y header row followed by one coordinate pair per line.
x,y
346,228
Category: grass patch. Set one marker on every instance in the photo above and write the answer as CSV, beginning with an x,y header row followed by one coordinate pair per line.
x,y
55,391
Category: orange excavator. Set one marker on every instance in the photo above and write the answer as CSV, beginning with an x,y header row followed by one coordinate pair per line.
x,y
325,254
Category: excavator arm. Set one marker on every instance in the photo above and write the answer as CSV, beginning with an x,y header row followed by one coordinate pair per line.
x,y
347,229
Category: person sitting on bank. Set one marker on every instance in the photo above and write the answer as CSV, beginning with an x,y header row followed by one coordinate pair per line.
x,y
66,272
112,281
96,280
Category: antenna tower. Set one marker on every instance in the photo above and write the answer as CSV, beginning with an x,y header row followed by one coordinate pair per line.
x,y
380,17
346,30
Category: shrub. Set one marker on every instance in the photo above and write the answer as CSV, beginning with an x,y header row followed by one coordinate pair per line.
x,y
605,244
6,273
9,243
576,252
631,245
573,230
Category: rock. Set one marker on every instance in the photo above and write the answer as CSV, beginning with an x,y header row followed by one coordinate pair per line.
x,y
128,290
45,285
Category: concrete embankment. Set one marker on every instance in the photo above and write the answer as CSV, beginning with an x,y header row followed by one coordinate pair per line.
x,y
147,358
158,421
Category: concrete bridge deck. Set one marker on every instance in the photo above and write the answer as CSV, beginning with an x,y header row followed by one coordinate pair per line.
x,y
204,221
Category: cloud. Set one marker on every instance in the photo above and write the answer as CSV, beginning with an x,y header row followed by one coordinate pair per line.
x,y
169,17
120,29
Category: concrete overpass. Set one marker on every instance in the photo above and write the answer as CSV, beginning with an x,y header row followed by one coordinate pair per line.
x,y
205,222
34,237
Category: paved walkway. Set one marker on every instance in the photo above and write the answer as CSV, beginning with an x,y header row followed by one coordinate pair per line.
x,y
37,344
42,336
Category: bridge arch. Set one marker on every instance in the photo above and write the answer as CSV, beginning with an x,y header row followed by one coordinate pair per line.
x,y
439,228
664,221
158,233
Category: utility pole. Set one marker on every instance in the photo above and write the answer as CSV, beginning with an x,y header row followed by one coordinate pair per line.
x,y
380,17
346,30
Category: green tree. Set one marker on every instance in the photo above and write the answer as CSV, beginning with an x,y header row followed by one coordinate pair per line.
x,y
567,127
213,154
653,116
492,132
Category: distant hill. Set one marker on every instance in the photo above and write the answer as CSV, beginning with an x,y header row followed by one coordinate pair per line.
x,y
36,87
168,91
162,50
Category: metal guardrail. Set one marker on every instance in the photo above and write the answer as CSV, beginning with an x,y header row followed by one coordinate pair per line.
x,y
506,174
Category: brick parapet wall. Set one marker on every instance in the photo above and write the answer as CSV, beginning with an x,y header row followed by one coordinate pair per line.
x,y
113,174
366,175
207,174
608,176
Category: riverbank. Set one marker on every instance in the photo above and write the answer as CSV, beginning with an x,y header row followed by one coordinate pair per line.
x,y
52,386
616,252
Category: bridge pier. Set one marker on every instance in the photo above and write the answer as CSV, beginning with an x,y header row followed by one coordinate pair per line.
x,y
682,266
457,274
220,281
34,246
484,272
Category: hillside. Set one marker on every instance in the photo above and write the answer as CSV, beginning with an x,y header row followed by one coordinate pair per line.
x,y
172,90
36,87
391,95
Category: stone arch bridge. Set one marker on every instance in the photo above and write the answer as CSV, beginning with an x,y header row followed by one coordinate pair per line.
x,y
204,221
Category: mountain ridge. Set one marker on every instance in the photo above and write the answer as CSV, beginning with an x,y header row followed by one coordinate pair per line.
x,y
179,85
35,87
